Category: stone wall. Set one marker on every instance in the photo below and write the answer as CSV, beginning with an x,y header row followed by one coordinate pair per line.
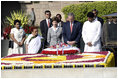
x,y
40,7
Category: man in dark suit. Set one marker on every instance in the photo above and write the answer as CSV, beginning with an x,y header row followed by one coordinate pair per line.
x,y
44,25
60,22
72,31
95,12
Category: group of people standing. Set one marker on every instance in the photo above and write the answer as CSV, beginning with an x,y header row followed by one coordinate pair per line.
x,y
55,31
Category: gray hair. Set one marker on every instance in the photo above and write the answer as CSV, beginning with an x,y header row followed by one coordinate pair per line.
x,y
70,14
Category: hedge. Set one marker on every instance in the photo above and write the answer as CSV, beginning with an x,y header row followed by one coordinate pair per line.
x,y
80,10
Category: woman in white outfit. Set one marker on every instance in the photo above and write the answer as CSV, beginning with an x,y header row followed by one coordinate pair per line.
x,y
17,36
33,42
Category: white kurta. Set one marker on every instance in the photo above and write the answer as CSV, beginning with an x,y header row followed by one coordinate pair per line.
x,y
91,32
18,35
33,45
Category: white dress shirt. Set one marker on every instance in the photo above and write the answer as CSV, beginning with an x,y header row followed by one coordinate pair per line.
x,y
72,24
96,19
47,21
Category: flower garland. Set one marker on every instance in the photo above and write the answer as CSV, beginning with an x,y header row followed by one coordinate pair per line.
x,y
61,49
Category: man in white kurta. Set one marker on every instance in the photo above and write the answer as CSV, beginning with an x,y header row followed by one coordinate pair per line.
x,y
91,33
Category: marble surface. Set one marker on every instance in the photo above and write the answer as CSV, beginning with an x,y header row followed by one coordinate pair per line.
x,y
109,72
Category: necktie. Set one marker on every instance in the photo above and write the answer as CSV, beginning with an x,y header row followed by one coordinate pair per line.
x,y
48,23
71,27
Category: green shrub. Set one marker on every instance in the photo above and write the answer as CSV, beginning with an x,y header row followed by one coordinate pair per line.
x,y
80,10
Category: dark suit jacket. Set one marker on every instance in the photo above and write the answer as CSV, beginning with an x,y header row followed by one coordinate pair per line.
x,y
76,32
101,20
62,23
44,29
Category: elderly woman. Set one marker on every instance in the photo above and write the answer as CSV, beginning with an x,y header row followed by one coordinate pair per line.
x,y
33,42
54,33
17,36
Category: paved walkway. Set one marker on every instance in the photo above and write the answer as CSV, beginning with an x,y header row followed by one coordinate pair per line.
x,y
110,72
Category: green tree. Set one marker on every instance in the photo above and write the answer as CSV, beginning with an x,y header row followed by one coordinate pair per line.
x,y
80,10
